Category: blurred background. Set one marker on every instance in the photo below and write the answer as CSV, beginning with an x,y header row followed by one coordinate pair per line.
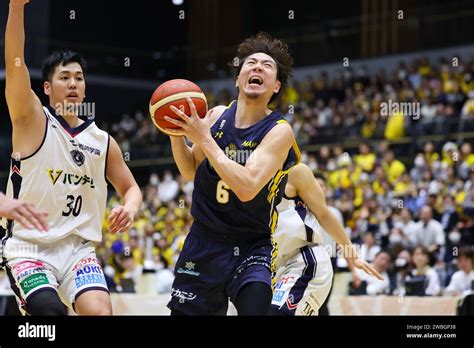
x,y
402,182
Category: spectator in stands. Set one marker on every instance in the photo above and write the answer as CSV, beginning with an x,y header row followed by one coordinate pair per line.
x,y
406,224
449,217
428,232
169,188
403,267
392,167
422,280
366,159
466,161
463,280
397,237
369,248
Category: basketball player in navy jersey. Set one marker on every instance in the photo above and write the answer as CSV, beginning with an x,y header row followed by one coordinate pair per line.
x,y
239,162
62,163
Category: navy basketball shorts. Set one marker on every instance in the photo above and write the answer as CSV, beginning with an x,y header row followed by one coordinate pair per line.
x,y
208,273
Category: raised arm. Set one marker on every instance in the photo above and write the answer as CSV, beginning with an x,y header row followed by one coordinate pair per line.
x,y
188,158
302,178
22,101
24,106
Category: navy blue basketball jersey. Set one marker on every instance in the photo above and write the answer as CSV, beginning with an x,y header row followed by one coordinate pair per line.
x,y
217,211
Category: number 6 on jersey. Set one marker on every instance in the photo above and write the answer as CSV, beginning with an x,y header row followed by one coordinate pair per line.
x,y
222,193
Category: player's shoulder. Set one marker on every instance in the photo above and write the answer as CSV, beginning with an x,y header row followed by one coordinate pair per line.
x,y
281,133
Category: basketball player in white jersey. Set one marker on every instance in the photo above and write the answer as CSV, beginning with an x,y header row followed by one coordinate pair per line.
x,y
23,212
61,164
304,270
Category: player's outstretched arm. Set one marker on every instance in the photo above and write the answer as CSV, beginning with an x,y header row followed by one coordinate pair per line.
x,y
22,102
245,181
24,213
312,194
188,158
121,217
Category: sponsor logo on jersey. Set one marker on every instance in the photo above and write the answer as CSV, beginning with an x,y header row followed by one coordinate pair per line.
x,y
189,269
237,155
54,175
85,148
78,157
249,143
70,179
219,135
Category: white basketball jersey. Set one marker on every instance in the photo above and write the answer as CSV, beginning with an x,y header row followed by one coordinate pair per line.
x,y
65,177
297,227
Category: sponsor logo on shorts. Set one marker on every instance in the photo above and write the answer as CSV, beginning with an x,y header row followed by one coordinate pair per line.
x,y
33,281
189,269
29,272
86,261
88,269
90,279
284,280
182,295
278,296
26,265
308,309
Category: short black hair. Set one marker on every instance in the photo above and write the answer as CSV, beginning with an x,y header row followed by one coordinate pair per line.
x,y
51,62
277,49
466,251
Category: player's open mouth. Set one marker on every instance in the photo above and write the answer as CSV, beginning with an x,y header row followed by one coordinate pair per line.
x,y
255,80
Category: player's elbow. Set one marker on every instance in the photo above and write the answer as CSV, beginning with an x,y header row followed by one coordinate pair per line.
x,y
245,194
188,175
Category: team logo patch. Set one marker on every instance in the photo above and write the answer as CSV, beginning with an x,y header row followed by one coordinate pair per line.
x,y
290,302
78,157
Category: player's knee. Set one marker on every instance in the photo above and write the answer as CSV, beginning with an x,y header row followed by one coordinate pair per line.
x,y
95,308
45,303
254,299
103,310
93,303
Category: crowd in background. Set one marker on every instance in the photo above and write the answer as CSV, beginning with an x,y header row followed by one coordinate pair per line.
x,y
414,219
329,110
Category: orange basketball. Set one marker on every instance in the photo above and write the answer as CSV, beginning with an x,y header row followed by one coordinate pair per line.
x,y
175,92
